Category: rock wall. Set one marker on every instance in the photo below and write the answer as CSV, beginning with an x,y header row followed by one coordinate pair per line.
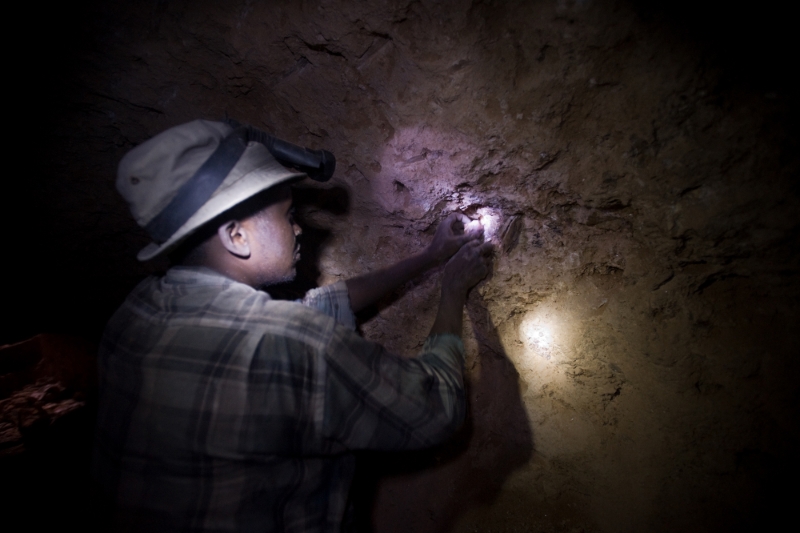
x,y
631,358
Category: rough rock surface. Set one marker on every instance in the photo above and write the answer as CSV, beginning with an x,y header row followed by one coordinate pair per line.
x,y
632,357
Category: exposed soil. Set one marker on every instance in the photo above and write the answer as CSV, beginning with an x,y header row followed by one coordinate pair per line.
x,y
633,356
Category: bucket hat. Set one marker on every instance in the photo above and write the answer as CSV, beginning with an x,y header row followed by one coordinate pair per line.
x,y
189,174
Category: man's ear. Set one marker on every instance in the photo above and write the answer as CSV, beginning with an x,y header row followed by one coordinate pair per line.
x,y
234,238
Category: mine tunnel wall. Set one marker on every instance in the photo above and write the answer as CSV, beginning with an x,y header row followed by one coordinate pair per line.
x,y
631,359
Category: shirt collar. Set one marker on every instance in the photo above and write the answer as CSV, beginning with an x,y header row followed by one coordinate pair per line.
x,y
200,275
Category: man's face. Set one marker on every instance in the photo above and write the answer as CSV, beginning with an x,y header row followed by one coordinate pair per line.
x,y
275,249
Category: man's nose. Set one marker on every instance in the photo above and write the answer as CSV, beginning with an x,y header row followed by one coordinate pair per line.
x,y
297,230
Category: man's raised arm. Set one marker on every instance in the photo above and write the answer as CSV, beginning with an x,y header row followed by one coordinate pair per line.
x,y
453,233
463,271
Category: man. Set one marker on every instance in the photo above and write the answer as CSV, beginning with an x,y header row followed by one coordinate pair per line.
x,y
224,410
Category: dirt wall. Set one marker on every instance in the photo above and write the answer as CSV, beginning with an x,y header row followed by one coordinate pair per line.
x,y
632,357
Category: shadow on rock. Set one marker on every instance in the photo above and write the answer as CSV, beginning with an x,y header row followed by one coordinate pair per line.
x,y
429,491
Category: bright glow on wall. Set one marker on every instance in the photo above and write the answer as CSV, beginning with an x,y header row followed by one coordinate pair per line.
x,y
490,220
544,344
543,334
418,168
539,336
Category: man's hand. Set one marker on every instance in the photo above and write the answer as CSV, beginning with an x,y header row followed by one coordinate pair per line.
x,y
468,266
453,233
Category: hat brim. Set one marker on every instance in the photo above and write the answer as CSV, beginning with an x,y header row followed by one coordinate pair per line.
x,y
256,171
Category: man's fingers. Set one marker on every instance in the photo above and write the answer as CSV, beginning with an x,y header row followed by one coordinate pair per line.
x,y
464,219
472,262
474,231
468,250
474,245
474,236
473,226
456,222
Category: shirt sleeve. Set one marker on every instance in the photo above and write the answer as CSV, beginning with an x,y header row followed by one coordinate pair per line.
x,y
377,400
334,301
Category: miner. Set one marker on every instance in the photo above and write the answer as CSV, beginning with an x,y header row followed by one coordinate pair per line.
x,y
222,409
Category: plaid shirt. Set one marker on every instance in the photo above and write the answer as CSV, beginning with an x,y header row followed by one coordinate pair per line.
x,y
224,410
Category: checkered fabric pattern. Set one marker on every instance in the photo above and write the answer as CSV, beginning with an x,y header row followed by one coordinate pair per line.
x,y
222,409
